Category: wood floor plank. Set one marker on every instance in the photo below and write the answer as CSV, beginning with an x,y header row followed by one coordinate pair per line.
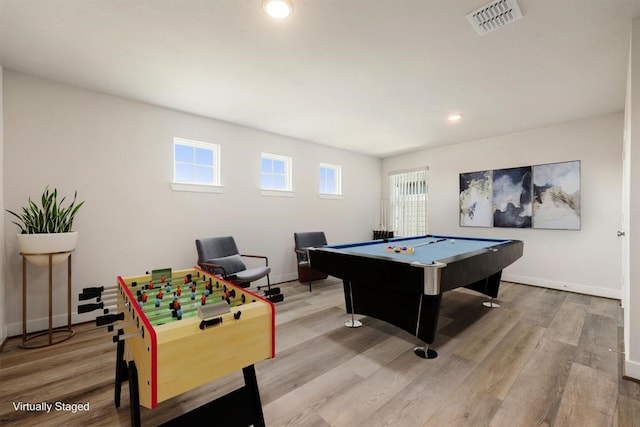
x,y
599,336
534,398
627,413
589,398
567,324
604,307
467,407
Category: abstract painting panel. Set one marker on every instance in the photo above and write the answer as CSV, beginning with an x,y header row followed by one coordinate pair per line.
x,y
475,199
512,197
556,189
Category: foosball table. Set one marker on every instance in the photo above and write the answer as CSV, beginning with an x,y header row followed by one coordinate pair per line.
x,y
167,318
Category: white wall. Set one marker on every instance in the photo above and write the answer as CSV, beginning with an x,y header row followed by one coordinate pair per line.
x,y
586,261
118,155
3,312
632,127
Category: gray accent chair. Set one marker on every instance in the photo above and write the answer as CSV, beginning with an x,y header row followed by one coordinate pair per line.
x,y
304,241
220,256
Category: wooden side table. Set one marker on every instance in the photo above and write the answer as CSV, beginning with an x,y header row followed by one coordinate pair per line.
x,y
62,333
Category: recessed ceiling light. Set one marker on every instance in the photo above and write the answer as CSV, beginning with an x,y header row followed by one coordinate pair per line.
x,y
454,117
278,9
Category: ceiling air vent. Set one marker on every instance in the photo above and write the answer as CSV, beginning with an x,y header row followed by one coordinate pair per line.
x,y
494,15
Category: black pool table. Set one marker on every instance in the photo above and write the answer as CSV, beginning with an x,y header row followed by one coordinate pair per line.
x,y
401,280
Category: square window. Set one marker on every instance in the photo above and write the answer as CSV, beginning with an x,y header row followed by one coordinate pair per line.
x,y
276,172
196,162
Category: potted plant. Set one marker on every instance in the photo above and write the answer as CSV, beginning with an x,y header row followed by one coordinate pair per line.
x,y
47,228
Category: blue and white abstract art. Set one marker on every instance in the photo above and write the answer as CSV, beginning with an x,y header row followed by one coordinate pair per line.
x,y
475,199
512,197
556,189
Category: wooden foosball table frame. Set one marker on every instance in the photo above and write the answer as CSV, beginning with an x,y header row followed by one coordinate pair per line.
x,y
149,356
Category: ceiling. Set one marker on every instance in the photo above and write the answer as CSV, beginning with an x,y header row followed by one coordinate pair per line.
x,y
372,76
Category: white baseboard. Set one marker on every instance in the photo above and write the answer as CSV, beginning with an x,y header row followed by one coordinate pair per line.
x,y
42,324
632,369
564,286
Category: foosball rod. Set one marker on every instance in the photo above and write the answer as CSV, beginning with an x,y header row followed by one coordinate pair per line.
x,y
171,282
122,337
118,325
169,313
200,287
171,279
188,308
86,308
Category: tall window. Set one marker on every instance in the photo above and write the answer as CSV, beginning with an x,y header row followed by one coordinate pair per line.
x,y
408,196
275,172
330,181
195,162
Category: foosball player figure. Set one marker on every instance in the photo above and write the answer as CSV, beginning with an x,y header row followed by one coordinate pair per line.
x,y
167,288
179,291
193,294
229,294
177,310
150,285
163,279
209,287
159,298
142,297
203,299
193,287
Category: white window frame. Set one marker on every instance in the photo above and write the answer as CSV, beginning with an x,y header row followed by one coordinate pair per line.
x,y
337,170
215,185
288,175
408,208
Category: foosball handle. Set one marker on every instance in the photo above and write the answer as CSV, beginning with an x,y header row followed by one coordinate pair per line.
x,y
109,318
86,308
206,323
91,294
276,298
93,289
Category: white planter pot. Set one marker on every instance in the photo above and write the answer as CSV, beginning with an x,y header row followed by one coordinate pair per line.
x,y
43,243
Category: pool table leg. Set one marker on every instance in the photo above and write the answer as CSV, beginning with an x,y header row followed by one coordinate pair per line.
x,y
352,323
427,324
491,304
425,352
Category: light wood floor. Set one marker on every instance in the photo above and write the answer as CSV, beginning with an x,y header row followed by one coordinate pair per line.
x,y
545,358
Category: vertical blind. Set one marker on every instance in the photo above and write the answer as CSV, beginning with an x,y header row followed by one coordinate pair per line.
x,y
408,202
